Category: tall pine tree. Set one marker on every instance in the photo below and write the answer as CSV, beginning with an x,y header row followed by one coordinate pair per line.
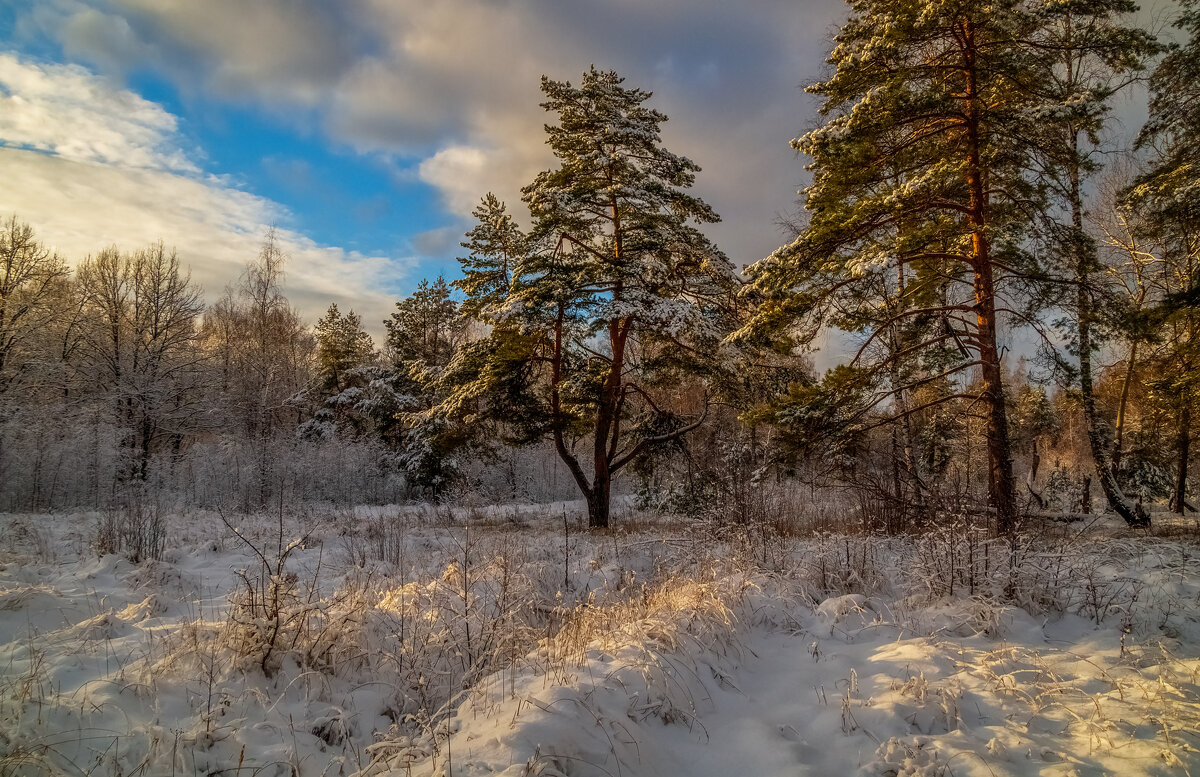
x,y
613,295
342,345
1167,199
1085,52
921,162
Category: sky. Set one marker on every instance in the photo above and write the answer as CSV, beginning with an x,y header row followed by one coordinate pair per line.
x,y
365,131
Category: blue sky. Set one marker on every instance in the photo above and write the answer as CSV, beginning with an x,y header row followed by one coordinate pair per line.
x,y
335,194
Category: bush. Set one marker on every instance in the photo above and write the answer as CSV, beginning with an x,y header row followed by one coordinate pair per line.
x,y
137,531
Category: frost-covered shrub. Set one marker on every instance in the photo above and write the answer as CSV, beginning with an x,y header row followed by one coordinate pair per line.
x,y
953,557
836,564
1146,479
137,531
1061,492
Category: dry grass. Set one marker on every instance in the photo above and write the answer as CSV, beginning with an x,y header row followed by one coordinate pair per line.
x,y
410,614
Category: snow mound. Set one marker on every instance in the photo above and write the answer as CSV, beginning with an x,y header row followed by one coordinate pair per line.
x,y
39,597
835,609
906,758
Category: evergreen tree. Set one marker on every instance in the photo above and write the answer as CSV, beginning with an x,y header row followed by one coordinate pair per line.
x,y
495,245
1167,200
612,296
423,335
426,328
922,162
342,345
344,361
1085,52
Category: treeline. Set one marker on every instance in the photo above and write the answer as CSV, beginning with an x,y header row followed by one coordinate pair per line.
x,y
119,386
116,377
963,190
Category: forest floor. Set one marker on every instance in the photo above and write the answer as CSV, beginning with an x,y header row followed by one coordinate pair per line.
x,y
504,640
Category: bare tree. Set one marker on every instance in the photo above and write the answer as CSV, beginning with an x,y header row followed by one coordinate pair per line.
x,y
263,354
31,277
140,334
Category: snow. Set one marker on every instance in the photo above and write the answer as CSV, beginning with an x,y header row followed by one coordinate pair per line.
x,y
486,640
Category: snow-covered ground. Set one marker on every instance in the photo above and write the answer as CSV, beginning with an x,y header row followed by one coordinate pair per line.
x,y
506,641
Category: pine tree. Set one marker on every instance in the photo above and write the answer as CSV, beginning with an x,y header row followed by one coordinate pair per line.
x,y
920,162
344,365
426,327
1085,53
342,345
614,293
423,335
495,245
1167,200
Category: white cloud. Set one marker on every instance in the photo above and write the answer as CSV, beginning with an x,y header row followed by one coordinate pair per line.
x,y
438,242
121,178
68,111
457,172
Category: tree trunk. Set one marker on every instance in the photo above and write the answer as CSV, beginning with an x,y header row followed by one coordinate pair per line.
x,y
1183,446
1119,443
599,503
1031,482
598,500
1098,441
897,451
1002,485
608,426
897,487
601,474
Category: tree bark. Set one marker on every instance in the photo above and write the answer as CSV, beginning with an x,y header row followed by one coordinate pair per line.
x,y
1183,446
599,505
607,430
1002,485
1119,443
1098,441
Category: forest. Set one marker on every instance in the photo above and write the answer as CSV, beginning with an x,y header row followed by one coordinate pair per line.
x,y
590,507
1014,293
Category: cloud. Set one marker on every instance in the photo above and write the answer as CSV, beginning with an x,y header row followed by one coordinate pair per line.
x,y
69,112
454,83
120,177
289,50
458,172
438,242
